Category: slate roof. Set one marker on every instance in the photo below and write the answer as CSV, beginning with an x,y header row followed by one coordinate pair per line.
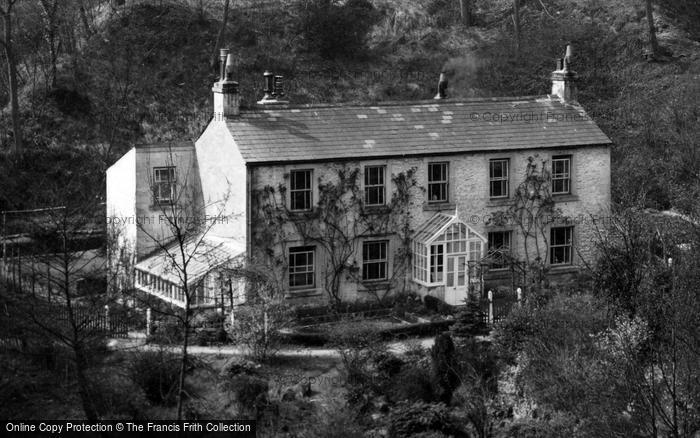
x,y
288,134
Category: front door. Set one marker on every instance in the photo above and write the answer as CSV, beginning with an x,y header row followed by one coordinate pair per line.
x,y
456,285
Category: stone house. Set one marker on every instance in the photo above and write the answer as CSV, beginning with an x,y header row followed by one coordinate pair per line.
x,y
429,179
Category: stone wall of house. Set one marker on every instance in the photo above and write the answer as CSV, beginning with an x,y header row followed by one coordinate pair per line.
x,y
468,196
154,228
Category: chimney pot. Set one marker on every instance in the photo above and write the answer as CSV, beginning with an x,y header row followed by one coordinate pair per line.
x,y
442,87
227,101
278,90
223,56
269,85
569,51
564,79
230,63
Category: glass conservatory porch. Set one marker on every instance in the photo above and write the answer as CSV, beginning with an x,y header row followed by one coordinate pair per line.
x,y
447,252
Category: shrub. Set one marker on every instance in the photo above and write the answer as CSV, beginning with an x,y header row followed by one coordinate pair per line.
x,y
413,383
248,392
157,374
257,327
469,320
409,418
444,366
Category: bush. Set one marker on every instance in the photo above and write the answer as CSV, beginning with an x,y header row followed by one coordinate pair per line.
x,y
248,392
413,383
409,418
157,373
469,320
444,366
257,326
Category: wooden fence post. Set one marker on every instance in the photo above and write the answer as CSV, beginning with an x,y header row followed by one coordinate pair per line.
x,y
107,324
148,323
491,318
519,294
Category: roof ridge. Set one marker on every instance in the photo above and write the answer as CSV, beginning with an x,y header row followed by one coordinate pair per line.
x,y
388,103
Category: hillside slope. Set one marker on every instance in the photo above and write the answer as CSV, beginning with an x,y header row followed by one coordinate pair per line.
x,y
146,75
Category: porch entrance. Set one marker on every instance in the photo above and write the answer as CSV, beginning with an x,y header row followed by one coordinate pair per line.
x,y
456,285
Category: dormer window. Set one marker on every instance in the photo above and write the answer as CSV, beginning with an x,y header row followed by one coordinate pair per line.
x,y
164,185
300,190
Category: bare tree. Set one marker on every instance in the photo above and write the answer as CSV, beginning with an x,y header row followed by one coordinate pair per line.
x,y
653,43
531,211
181,243
47,292
221,34
50,17
6,13
465,12
516,25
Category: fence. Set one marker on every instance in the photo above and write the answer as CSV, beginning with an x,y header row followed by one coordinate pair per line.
x,y
497,308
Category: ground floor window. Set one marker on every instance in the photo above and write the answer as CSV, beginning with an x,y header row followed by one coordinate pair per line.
x,y
301,267
374,260
561,245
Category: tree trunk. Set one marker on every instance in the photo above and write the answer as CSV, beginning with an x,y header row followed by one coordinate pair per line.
x,y
91,414
12,74
653,43
220,35
465,11
516,25
84,19
183,362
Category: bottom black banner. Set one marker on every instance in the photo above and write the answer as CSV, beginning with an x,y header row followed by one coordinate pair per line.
x,y
108,428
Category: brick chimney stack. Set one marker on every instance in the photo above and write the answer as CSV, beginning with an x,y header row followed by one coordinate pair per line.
x,y
227,100
564,78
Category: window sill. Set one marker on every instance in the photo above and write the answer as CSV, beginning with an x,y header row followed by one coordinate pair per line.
x,y
499,202
563,269
439,206
375,209
376,284
300,293
565,198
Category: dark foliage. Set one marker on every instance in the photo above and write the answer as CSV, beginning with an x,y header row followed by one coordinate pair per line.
x,y
409,418
156,373
334,29
469,320
444,367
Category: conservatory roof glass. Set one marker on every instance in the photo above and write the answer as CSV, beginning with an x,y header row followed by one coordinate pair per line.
x,y
434,228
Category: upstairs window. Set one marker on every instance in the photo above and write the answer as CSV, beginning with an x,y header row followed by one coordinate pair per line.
x,y
499,248
300,190
498,178
374,260
561,245
438,178
374,185
164,185
301,267
561,175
